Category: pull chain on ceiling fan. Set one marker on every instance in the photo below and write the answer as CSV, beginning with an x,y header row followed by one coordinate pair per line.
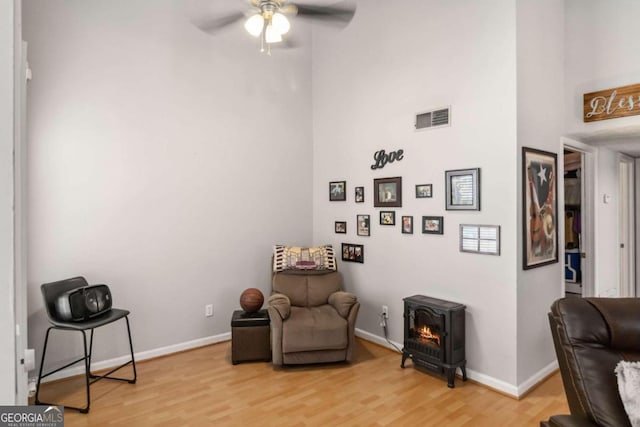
x,y
268,20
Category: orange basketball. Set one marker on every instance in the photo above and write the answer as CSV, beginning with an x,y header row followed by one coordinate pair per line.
x,y
251,300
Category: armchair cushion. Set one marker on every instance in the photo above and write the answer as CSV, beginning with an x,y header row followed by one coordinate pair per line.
x,y
314,328
321,287
281,303
307,290
342,302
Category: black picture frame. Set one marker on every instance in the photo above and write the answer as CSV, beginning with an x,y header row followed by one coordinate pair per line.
x,y
432,225
407,224
363,225
424,191
539,208
337,191
340,227
387,218
353,253
359,195
462,189
387,192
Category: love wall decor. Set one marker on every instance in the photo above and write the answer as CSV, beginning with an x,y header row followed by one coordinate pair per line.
x,y
382,158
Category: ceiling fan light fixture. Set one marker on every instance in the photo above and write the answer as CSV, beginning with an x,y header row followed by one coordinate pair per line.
x,y
254,25
280,23
271,35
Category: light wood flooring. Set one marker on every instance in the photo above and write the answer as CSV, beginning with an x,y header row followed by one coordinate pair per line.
x,y
202,388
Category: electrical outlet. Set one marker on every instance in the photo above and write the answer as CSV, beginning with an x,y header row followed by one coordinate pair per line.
x,y
208,310
385,311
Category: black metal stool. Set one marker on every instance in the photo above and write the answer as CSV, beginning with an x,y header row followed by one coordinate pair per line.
x,y
50,292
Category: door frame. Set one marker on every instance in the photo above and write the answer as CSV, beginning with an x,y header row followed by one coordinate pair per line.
x,y
20,226
589,253
626,232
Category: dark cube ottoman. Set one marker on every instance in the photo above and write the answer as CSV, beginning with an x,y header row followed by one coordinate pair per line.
x,y
250,336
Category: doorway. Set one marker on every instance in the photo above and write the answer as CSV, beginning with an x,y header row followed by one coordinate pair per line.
x,y
578,249
573,188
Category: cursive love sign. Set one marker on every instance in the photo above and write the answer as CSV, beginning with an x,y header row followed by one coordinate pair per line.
x,y
383,158
612,103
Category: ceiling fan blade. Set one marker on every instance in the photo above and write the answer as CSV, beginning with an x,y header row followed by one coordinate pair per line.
x,y
213,25
339,15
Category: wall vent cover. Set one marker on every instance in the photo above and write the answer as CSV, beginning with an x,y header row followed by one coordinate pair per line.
x,y
434,118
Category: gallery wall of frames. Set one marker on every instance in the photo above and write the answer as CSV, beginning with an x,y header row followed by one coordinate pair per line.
x,y
462,191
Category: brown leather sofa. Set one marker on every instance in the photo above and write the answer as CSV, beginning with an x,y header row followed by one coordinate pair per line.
x,y
591,335
312,319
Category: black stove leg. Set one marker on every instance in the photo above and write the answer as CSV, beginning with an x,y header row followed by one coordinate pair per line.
x,y
404,358
451,375
464,372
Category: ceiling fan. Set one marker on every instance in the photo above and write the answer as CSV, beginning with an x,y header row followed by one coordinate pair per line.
x,y
269,19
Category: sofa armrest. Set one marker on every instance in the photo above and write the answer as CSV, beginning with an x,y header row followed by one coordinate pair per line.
x,y
281,304
569,421
342,302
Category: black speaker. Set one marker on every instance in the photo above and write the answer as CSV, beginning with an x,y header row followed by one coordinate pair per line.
x,y
83,303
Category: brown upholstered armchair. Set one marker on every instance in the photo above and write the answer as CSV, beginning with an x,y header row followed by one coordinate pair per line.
x,y
312,319
591,335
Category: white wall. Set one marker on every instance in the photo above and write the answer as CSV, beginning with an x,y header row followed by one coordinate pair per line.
x,y
368,82
606,284
601,53
7,280
540,35
163,161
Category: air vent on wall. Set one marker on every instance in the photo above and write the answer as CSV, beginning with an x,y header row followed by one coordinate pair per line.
x,y
434,118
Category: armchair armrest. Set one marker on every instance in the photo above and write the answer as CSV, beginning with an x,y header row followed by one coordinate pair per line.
x,y
281,304
342,302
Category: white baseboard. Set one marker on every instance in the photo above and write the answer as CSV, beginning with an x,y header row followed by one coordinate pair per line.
x,y
143,355
537,377
494,383
491,382
377,339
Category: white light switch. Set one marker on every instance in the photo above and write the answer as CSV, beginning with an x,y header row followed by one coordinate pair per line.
x,y
29,359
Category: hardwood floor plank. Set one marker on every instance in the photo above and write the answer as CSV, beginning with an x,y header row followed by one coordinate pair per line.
x,y
201,387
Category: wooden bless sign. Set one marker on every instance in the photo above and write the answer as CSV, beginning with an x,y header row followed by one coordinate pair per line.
x,y
612,103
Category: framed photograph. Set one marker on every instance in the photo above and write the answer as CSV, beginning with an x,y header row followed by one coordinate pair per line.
x,y
423,191
359,194
363,225
432,225
337,191
407,225
462,189
539,208
341,227
387,192
352,253
480,239
387,218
